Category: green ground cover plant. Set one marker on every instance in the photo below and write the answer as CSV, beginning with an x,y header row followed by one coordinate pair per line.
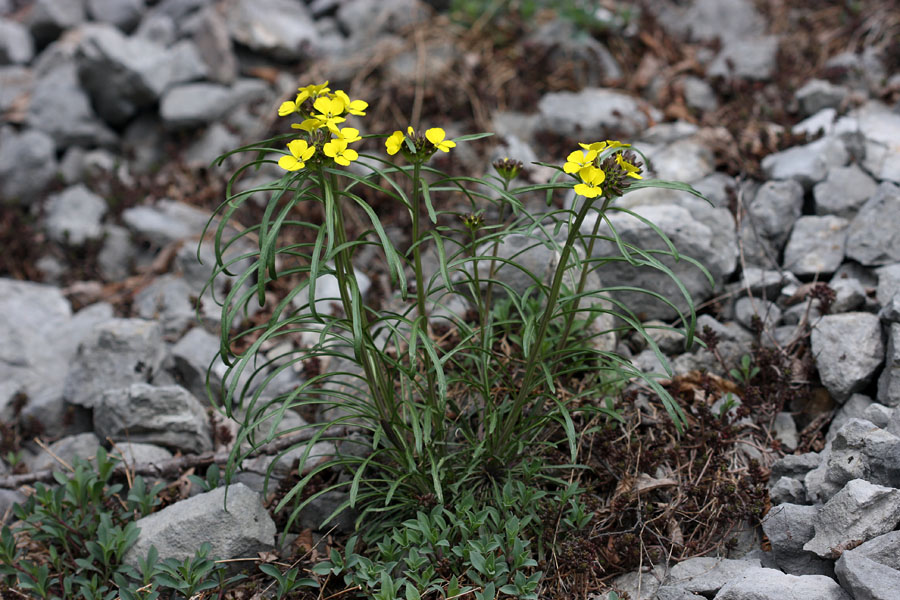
x,y
69,541
468,413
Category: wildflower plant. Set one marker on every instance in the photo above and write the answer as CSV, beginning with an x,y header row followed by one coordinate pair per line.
x,y
443,421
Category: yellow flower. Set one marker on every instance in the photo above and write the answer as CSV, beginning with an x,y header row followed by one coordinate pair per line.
x,y
330,110
311,91
287,108
349,134
597,147
300,153
436,136
601,146
394,142
578,160
630,169
308,125
338,150
592,178
353,107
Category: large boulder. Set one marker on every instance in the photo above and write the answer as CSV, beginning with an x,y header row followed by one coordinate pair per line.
x,y
117,353
848,349
240,529
168,416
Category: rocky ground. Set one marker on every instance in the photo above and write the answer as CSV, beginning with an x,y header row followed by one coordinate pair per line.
x,y
784,114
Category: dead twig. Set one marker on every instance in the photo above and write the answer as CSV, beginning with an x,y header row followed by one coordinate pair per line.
x,y
171,468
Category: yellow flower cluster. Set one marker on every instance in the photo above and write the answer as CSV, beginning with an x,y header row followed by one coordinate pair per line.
x,y
435,136
584,164
322,112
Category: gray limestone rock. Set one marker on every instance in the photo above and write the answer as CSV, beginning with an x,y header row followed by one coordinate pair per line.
x,y
708,240
73,216
195,104
854,408
708,20
593,113
789,527
882,416
209,31
869,242
844,191
871,571
27,164
794,465
848,349
746,308
281,29
562,45
124,14
770,584
889,382
890,312
117,254
849,294
749,58
888,283
366,19
193,354
685,160
819,124
35,315
774,210
641,585
785,430
16,45
167,299
168,416
698,94
49,18
83,445
816,245
136,453
765,283
859,512
867,579
862,450
808,164
788,490
117,353
165,222
884,549
238,529
126,74
16,84
818,94
707,575
282,465
876,127
61,108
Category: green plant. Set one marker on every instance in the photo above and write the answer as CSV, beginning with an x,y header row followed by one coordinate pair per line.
x,y
77,534
288,580
212,480
745,372
447,423
194,574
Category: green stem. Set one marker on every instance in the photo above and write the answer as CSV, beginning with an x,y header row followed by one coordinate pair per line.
x,y
522,397
421,309
582,281
374,369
